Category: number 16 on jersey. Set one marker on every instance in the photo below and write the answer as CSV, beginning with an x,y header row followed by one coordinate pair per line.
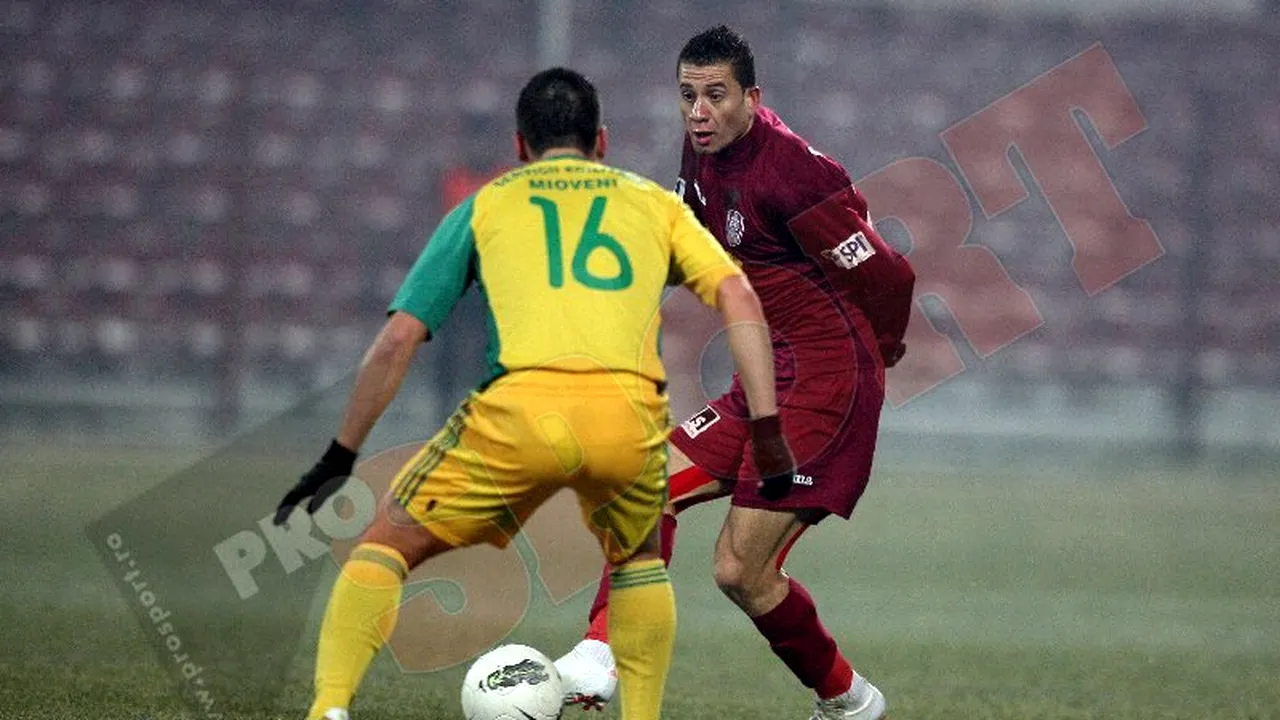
x,y
589,240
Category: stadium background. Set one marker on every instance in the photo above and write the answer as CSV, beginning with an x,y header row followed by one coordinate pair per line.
x,y
204,208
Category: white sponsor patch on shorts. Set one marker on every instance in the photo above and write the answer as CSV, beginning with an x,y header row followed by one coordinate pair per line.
x,y
799,479
696,425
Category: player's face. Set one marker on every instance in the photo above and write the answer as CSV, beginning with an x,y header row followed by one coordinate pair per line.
x,y
716,109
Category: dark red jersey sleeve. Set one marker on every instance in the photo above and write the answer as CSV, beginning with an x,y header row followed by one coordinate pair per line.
x,y
868,271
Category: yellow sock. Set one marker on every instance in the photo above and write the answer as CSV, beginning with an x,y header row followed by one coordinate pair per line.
x,y
360,616
642,633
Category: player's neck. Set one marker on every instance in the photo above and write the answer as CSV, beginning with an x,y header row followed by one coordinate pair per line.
x,y
743,147
751,122
560,152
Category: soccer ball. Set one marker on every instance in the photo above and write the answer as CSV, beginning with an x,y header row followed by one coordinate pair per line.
x,y
512,682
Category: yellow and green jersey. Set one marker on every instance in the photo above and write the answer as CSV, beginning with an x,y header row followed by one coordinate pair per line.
x,y
572,257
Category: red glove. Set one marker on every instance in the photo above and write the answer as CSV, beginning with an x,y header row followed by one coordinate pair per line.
x,y
772,456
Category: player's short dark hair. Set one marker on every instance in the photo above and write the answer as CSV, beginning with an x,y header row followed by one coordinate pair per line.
x,y
558,108
721,44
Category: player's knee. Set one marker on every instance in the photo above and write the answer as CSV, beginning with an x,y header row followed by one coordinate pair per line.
x,y
744,582
393,527
729,575
734,577
649,549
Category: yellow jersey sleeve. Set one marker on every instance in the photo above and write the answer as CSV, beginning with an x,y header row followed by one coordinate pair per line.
x,y
697,260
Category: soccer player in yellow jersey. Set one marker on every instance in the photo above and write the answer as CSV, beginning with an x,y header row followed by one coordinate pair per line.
x,y
571,256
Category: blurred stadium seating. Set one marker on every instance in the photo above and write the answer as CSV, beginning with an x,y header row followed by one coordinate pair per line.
x,y
228,192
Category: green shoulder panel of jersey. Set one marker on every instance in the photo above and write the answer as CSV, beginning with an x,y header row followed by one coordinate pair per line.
x,y
444,270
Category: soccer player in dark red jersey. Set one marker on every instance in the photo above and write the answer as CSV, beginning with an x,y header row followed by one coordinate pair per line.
x,y
837,299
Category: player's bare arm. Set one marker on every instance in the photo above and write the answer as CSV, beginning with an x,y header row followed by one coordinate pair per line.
x,y
698,257
749,341
381,373
753,356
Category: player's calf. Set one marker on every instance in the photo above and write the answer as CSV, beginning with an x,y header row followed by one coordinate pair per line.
x,y
749,554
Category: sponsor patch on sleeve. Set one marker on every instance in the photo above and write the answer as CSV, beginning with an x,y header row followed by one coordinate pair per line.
x,y
852,252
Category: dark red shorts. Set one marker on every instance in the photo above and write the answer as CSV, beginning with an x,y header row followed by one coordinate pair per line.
x,y
830,422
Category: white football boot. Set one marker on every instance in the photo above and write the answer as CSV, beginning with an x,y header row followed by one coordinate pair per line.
x,y
589,675
863,701
335,714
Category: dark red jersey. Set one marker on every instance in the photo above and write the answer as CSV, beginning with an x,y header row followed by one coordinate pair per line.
x,y
832,290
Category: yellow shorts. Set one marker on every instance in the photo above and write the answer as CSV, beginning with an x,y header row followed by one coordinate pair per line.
x,y
510,447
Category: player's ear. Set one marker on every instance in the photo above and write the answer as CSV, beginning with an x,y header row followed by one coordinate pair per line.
x,y
602,143
522,149
753,97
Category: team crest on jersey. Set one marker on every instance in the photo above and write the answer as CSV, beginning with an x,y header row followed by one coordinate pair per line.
x,y
734,226
696,425
680,187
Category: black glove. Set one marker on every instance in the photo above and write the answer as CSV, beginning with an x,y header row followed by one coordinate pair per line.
x,y
773,458
892,351
320,482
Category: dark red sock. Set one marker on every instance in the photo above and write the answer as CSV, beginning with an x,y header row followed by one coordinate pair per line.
x,y
838,680
798,638
599,627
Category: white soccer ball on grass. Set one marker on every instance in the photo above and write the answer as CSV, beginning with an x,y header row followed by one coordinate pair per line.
x,y
512,682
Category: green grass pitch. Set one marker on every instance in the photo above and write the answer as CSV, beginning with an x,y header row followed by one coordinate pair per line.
x,y
962,594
